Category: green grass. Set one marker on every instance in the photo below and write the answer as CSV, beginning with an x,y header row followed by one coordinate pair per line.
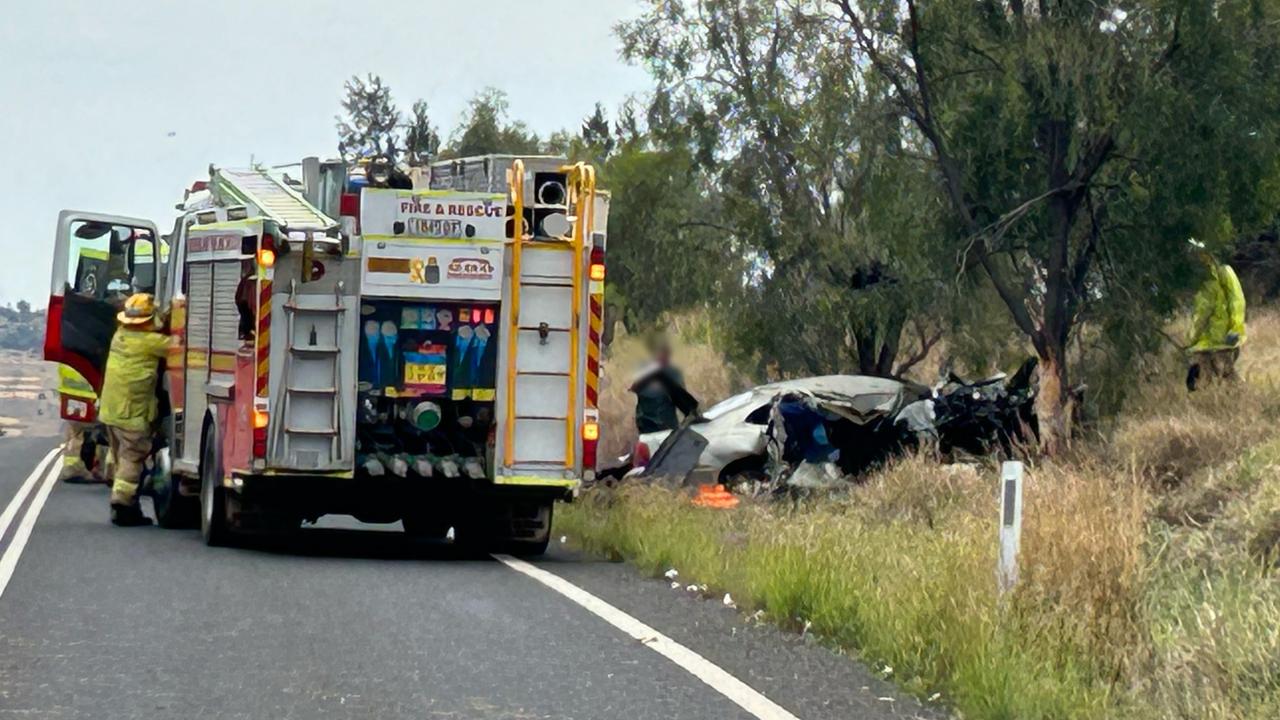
x,y
927,609
1147,587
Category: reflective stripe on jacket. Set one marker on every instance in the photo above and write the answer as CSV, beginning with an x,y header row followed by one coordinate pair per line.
x,y
129,386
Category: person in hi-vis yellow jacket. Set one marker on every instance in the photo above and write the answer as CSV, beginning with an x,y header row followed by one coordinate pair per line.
x,y
1217,323
128,407
76,434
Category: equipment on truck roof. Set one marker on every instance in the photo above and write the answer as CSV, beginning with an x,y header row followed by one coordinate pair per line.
x,y
347,343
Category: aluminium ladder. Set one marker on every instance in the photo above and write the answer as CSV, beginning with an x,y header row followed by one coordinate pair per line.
x,y
309,429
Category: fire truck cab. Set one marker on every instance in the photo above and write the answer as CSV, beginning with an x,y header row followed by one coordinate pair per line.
x,y
426,353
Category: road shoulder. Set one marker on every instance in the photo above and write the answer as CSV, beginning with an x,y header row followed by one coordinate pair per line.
x,y
799,673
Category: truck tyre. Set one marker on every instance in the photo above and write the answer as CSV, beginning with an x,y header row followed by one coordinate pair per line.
x,y
214,527
173,509
528,548
531,547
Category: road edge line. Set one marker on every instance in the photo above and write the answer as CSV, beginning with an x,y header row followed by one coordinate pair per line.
x,y
718,679
20,497
13,553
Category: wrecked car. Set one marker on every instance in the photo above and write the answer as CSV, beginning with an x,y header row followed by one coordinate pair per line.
x,y
845,420
813,432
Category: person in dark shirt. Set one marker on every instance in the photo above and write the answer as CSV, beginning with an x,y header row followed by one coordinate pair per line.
x,y
660,393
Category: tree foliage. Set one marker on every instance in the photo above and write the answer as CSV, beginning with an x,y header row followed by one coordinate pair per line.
x,y
813,189
1078,145
370,125
21,328
844,180
421,140
486,128
666,251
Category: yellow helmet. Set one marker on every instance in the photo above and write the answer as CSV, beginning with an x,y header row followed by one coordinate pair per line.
x,y
138,309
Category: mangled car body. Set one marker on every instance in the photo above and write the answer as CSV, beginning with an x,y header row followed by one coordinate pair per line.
x,y
844,419
820,429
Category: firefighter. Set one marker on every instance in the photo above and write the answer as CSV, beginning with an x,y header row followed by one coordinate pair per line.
x,y
74,436
128,407
1217,326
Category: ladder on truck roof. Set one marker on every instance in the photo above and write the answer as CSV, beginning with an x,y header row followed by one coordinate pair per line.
x,y
540,317
272,198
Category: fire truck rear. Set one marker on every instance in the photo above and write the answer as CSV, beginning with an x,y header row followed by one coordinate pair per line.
x,y
424,354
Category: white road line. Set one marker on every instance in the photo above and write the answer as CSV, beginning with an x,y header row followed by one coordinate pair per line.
x,y
706,671
9,560
20,497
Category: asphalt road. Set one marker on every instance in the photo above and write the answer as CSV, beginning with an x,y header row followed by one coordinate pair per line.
x,y
102,622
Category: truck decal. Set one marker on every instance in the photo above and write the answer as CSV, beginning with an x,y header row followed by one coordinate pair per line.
x,y
264,337
428,214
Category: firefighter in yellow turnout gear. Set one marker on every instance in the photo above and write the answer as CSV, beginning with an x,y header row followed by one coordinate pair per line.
x,y
1217,327
76,434
128,406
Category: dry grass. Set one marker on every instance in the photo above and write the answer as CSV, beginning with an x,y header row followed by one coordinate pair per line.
x,y
1147,587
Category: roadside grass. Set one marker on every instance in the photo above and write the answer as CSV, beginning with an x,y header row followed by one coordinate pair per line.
x,y
1146,590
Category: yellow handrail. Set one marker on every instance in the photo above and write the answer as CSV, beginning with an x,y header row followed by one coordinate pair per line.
x,y
516,181
582,188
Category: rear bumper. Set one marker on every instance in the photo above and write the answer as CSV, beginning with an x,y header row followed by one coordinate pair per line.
x,y
570,484
343,494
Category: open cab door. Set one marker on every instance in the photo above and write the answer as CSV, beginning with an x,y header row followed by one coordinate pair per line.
x,y
98,262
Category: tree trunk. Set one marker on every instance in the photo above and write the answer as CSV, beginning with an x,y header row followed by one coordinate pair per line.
x,y
878,350
1053,411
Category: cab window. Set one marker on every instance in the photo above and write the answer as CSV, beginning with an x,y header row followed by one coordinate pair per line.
x,y
110,262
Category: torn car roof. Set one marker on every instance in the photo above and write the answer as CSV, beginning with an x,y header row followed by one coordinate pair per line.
x,y
858,398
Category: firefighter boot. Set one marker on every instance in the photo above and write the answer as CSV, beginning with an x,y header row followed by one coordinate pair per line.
x,y
128,516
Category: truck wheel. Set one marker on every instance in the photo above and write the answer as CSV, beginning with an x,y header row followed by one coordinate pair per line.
x,y
528,548
213,500
536,545
173,509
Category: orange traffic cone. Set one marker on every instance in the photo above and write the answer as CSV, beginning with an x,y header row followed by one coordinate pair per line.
x,y
715,496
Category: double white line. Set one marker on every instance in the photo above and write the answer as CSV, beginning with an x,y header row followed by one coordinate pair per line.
x,y
41,480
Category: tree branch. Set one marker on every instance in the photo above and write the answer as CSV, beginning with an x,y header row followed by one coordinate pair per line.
x,y
926,344
922,117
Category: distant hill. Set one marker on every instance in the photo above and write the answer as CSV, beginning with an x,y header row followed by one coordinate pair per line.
x,y
21,328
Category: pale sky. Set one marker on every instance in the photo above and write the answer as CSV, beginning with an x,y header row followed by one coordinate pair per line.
x,y
90,91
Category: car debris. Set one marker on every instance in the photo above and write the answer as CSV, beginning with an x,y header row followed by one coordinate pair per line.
x,y
813,434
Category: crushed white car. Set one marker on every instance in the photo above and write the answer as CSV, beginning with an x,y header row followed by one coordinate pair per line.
x,y
845,420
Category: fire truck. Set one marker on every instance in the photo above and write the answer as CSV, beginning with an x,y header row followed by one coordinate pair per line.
x,y
418,347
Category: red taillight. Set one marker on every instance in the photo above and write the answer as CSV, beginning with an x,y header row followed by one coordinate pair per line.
x,y
640,456
597,264
260,422
590,440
